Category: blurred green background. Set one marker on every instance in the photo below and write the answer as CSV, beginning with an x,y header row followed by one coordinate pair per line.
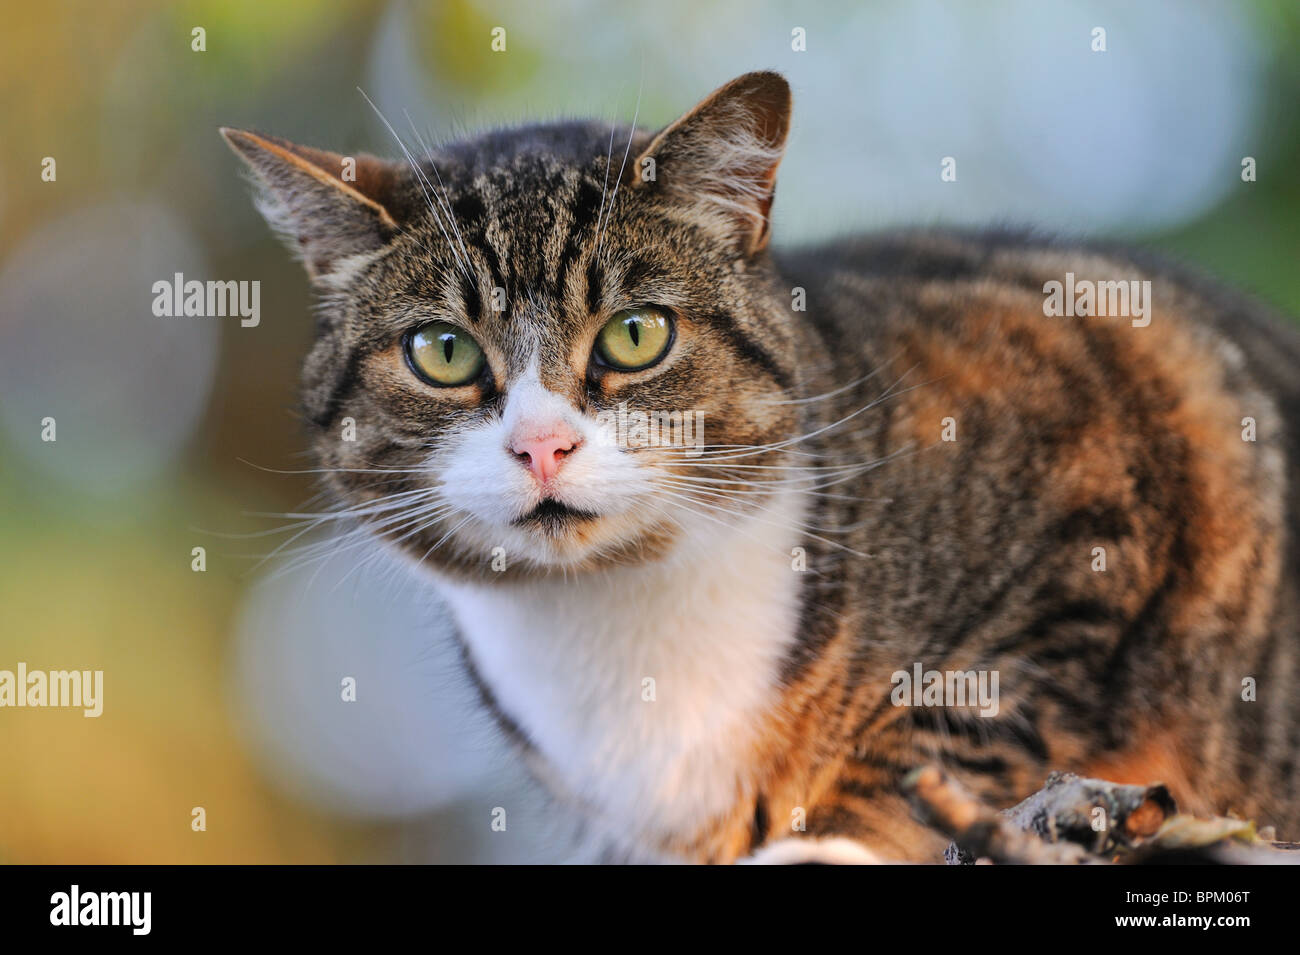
x,y
221,687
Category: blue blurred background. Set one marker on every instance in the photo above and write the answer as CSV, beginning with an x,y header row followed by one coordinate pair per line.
x,y
222,687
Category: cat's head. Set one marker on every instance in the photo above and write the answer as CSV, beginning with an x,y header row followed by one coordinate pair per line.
x,y
552,347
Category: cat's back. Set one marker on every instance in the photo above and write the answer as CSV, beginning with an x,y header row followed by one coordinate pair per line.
x,y
1031,339
859,286
1092,458
1038,344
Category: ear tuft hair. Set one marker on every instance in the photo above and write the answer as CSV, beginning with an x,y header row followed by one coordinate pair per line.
x,y
329,208
722,156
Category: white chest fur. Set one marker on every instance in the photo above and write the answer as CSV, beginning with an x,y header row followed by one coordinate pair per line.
x,y
571,663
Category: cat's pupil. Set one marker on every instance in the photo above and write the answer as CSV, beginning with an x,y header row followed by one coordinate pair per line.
x,y
448,345
635,333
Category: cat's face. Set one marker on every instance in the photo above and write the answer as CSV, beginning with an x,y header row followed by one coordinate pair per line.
x,y
535,353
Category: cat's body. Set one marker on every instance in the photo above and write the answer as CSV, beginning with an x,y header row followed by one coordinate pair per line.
x,y
699,647
1070,434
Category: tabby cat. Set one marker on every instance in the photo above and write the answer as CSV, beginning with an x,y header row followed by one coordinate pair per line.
x,y
902,461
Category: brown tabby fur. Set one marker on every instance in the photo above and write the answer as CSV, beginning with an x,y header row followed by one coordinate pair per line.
x,y
976,553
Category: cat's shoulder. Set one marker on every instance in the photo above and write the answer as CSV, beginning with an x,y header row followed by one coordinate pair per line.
x,y
857,281
1015,256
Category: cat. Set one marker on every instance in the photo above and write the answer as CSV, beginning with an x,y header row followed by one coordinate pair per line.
x,y
905,461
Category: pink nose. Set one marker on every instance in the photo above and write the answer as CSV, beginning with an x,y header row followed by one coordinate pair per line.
x,y
544,454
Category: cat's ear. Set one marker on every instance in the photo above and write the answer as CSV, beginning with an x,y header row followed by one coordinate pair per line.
x,y
329,207
721,157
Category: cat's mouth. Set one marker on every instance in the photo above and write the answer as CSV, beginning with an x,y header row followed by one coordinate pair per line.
x,y
553,516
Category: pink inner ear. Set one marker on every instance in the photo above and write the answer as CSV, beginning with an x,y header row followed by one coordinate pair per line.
x,y
727,149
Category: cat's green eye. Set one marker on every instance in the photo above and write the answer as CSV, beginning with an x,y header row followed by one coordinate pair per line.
x,y
444,355
635,338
